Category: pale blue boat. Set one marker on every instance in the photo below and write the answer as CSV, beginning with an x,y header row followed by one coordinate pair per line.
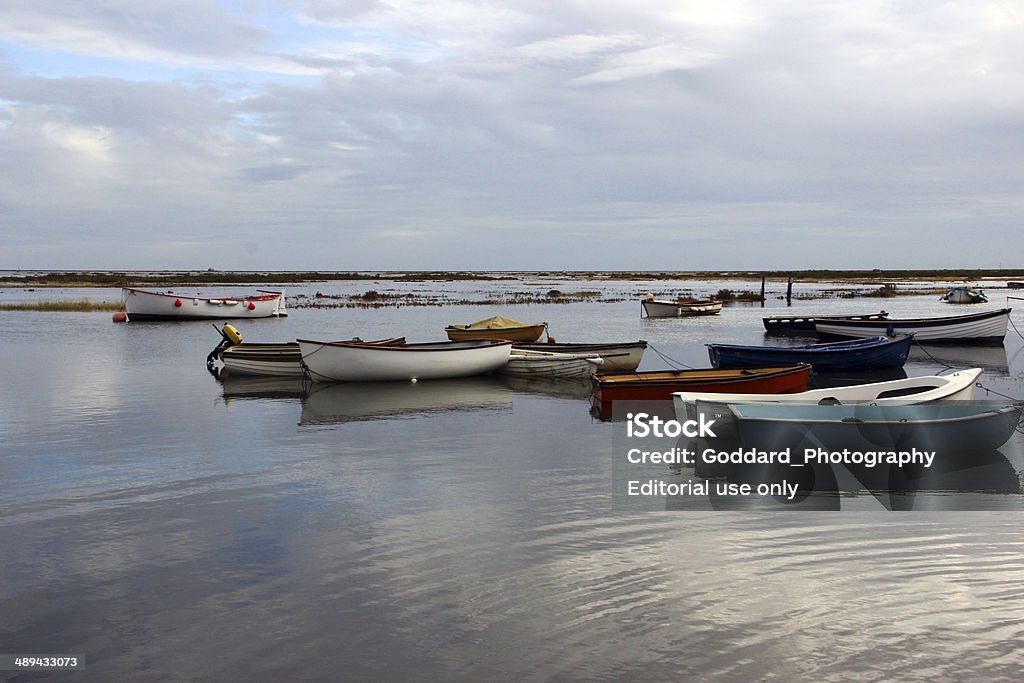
x,y
943,427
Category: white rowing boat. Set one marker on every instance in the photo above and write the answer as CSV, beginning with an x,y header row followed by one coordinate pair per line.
x,y
958,386
141,304
362,362
673,308
979,328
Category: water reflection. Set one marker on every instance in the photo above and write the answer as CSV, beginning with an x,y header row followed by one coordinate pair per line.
x,y
326,404
554,387
977,480
992,359
253,387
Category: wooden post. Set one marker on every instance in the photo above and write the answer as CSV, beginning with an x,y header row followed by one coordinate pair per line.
x,y
762,291
789,291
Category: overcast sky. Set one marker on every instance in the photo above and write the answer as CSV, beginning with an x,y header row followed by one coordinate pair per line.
x,y
533,134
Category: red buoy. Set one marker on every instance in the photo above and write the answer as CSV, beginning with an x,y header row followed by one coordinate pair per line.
x,y
120,317
177,303
252,306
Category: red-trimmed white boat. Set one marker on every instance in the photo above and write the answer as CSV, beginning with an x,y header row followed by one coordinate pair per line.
x,y
362,362
141,304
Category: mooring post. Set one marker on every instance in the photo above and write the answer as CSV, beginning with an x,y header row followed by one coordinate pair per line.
x,y
789,291
762,291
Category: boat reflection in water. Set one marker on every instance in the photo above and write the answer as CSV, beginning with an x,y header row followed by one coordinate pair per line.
x,y
243,387
956,481
327,404
992,359
554,387
966,469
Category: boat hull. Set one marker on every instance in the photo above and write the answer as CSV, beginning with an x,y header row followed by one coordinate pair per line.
x,y
616,357
660,386
942,427
524,363
861,354
964,295
958,386
793,323
977,328
661,308
141,305
272,360
361,362
530,333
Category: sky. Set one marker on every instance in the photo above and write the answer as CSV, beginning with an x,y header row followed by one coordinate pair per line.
x,y
522,135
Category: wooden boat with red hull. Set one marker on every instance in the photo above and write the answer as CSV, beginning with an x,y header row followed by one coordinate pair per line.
x,y
659,386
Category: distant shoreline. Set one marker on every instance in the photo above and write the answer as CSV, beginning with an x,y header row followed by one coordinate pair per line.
x,y
162,278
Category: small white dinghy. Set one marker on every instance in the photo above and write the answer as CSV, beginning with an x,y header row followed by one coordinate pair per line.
x,y
362,362
958,386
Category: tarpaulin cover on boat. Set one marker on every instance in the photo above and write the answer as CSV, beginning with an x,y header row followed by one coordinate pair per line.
x,y
498,322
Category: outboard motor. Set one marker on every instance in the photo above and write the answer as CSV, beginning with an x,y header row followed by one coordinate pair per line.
x,y
230,336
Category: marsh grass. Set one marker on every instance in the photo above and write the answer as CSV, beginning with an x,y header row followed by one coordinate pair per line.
x,y
65,305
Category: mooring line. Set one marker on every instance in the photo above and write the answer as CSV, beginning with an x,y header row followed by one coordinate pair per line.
x,y
671,361
945,365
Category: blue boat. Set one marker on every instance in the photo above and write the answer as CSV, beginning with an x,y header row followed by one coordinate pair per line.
x,y
855,354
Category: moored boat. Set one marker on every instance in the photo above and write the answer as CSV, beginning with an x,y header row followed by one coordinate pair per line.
x,y
659,386
805,323
856,354
988,327
362,362
674,308
497,327
617,356
964,295
278,360
528,363
945,427
140,304
958,386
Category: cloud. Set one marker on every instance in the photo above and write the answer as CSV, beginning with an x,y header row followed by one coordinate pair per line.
x,y
697,128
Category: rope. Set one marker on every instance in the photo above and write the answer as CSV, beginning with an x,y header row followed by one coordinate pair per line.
x,y
989,390
945,365
1017,405
677,365
1014,327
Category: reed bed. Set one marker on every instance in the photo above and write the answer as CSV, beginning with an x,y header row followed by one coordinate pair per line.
x,y
65,305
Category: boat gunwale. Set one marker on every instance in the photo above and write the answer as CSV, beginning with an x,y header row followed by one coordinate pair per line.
x,y
708,374
209,299
925,322
463,345
858,344
1004,410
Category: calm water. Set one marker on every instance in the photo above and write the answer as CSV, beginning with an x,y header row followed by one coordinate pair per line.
x,y
166,526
